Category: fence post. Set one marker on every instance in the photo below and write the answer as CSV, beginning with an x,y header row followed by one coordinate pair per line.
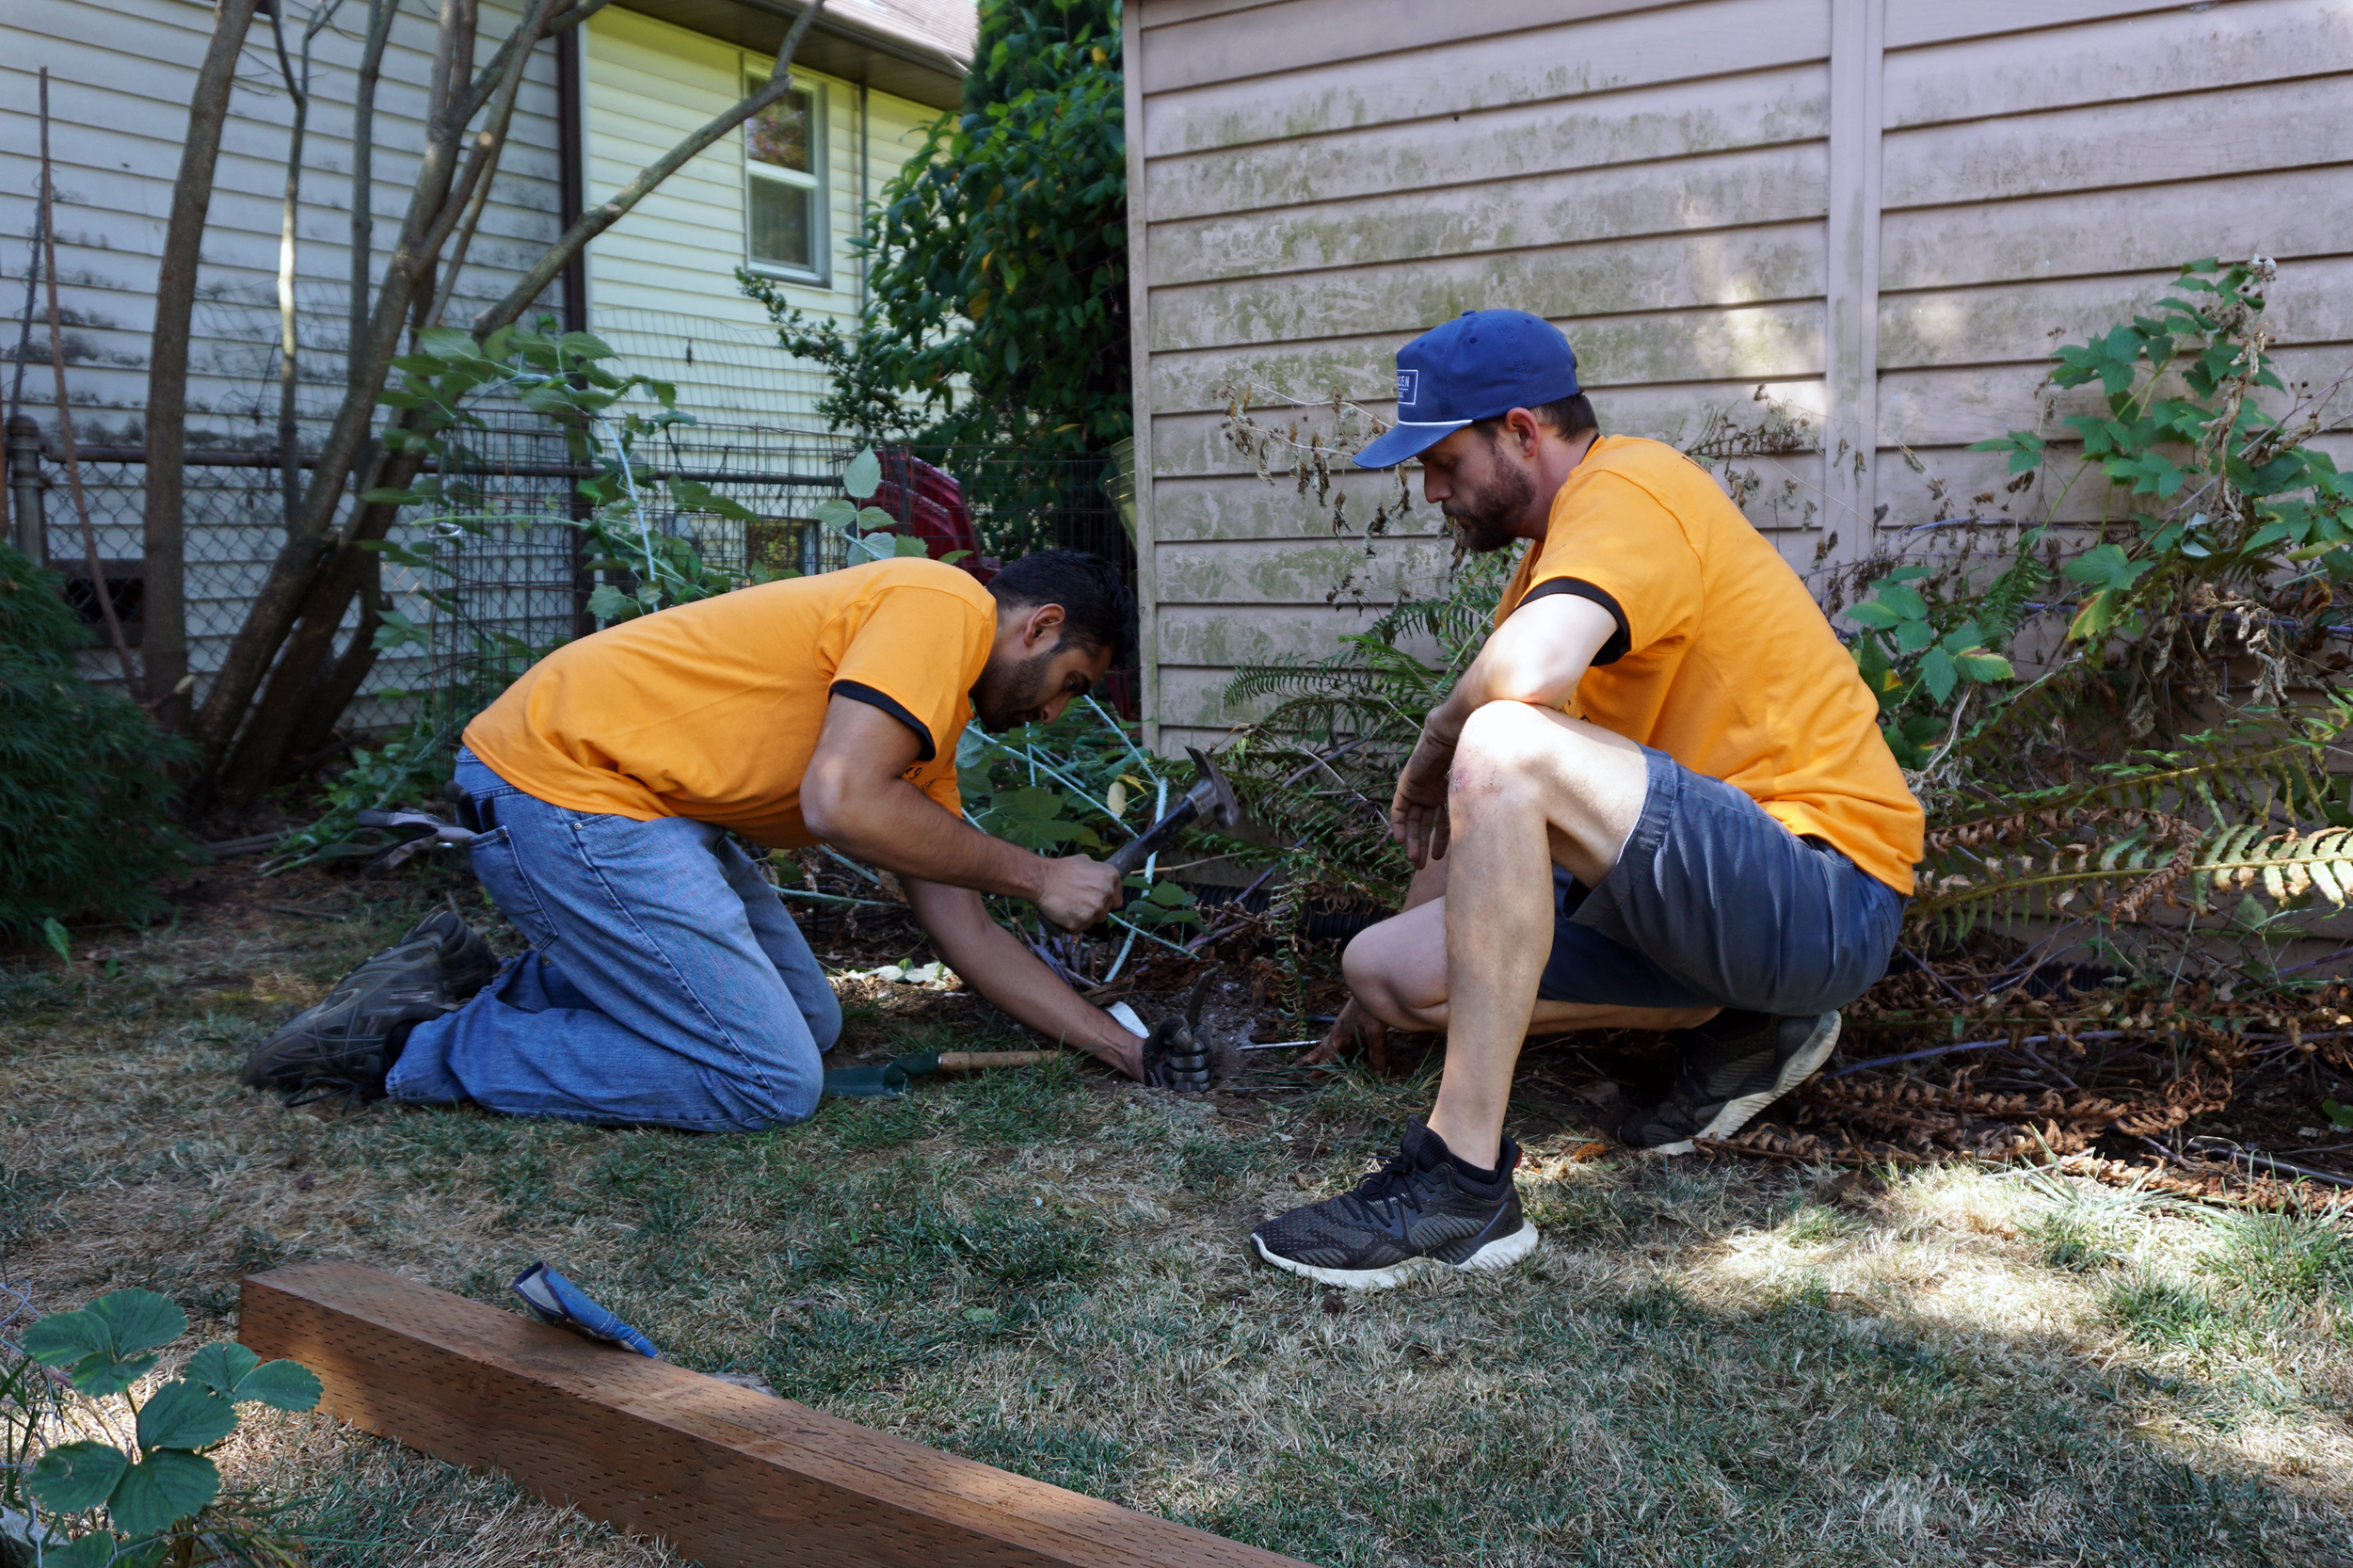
x,y
26,484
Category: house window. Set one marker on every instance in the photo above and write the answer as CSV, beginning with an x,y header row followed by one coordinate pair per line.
x,y
784,206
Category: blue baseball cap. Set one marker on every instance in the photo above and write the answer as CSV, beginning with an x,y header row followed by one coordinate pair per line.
x,y
1480,365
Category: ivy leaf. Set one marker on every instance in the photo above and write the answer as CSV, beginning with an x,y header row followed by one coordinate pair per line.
x,y
219,1366
168,1485
907,546
1979,665
63,1338
863,477
282,1385
1938,673
874,517
447,344
609,603
835,515
75,1476
1871,612
183,1414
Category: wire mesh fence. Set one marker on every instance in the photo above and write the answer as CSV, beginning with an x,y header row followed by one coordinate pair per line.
x,y
491,585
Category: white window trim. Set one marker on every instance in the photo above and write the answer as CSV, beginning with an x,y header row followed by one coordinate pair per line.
x,y
821,226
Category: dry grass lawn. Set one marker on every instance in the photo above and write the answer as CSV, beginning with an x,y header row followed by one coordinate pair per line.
x,y
1705,1363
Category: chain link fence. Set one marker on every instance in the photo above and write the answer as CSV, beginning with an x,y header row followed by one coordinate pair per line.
x,y
490,587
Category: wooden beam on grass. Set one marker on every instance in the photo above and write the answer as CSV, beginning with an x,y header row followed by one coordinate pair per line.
x,y
724,1475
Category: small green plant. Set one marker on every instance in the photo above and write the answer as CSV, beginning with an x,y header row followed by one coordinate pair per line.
x,y
866,528
156,1497
2339,1115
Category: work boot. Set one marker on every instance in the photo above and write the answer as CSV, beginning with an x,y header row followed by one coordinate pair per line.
x,y
1726,1072
1420,1209
351,1039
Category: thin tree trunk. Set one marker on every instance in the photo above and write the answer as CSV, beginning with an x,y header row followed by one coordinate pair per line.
x,y
289,344
438,189
164,640
297,616
380,15
64,415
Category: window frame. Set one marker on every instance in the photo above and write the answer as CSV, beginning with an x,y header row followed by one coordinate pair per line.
x,y
819,272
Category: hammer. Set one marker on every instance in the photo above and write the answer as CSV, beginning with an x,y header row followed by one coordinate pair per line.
x,y
1210,802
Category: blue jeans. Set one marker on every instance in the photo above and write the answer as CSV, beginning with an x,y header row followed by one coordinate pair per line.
x,y
665,985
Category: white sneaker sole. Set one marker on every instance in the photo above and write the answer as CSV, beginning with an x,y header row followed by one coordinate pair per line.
x,y
1736,1115
1500,1253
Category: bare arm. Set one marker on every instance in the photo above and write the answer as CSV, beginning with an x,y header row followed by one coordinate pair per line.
x,y
1536,656
1010,975
854,797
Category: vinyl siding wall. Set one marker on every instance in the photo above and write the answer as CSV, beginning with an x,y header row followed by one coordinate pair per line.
x,y
661,282
121,73
1884,211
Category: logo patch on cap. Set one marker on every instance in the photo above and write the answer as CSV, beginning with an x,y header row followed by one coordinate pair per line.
x,y
1408,387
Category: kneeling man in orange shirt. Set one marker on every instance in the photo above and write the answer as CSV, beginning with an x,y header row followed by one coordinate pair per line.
x,y
666,983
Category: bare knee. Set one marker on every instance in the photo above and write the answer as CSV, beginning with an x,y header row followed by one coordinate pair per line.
x,y
1506,752
1370,966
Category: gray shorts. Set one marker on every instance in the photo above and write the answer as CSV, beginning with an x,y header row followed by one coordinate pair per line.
x,y
1714,904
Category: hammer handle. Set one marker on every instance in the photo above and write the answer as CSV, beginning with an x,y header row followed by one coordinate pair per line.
x,y
1130,858
972,1061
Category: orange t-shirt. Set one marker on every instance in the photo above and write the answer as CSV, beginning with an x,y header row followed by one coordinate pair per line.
x,y
711,710
1729,667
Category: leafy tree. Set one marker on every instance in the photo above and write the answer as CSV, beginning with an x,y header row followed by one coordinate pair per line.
x,y
997,302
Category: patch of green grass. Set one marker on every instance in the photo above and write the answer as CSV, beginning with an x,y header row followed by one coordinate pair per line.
x,y
2284,1261
2167,1314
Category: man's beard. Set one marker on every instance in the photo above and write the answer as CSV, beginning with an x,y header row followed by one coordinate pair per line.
x,y
1010,695
1484,522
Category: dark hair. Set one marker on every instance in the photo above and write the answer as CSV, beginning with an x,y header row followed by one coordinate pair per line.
x,y
1097,606
1570,416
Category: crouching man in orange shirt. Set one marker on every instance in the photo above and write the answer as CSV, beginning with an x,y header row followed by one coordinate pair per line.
x,y
666,983
1658,799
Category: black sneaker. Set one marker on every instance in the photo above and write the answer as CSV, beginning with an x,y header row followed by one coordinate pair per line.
x,y
1725,1077
1417,1208
351,1040
467,961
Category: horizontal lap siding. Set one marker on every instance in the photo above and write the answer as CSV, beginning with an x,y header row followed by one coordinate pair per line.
x,y
2047,169
122,72
1323,179
661,282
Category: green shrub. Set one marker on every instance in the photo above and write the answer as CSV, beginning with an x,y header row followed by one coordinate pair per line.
x,y
84,800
